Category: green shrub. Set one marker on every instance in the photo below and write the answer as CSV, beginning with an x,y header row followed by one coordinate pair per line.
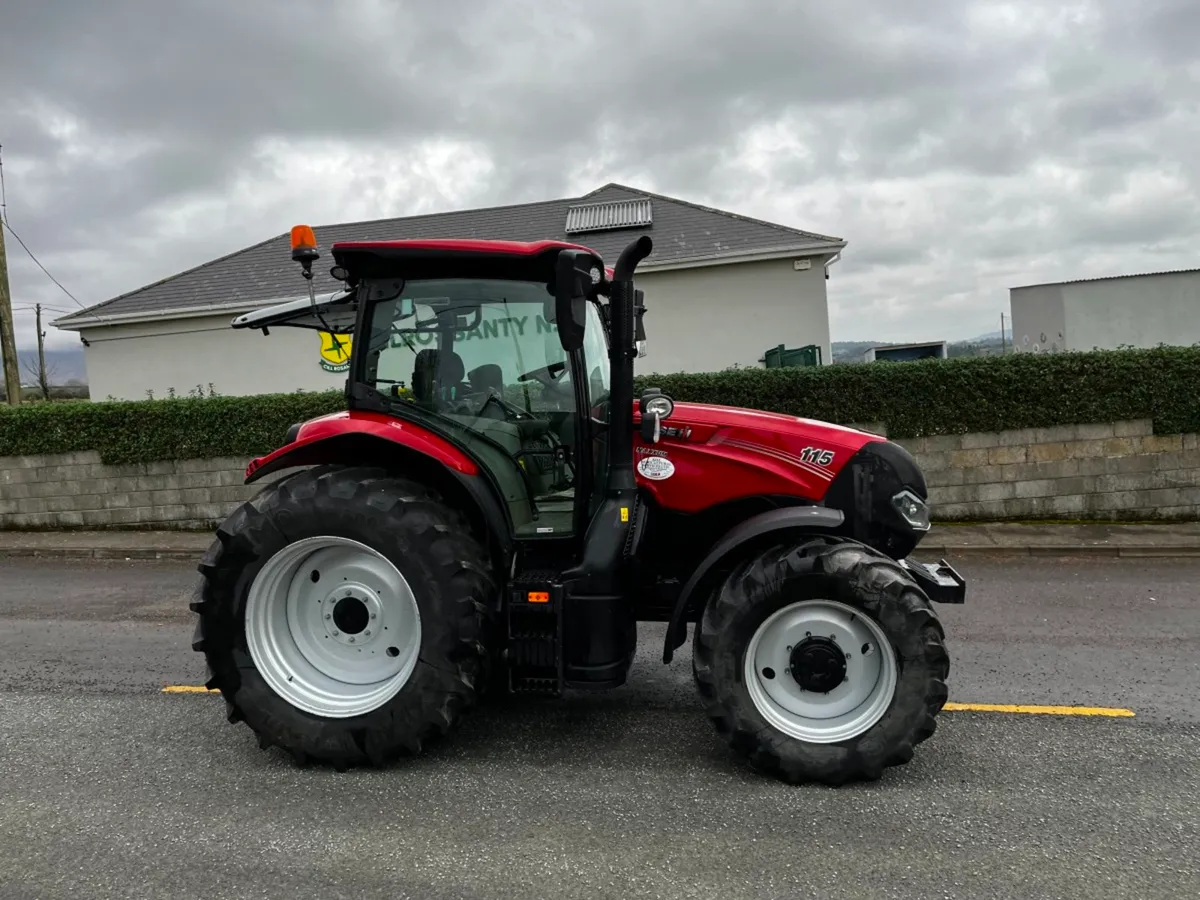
x,y
911,399
148,430
966,394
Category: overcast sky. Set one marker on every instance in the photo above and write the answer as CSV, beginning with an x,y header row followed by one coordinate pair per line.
x,y
961,146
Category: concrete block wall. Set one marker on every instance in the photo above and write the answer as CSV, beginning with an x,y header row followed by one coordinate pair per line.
x,y
1111,471
76,490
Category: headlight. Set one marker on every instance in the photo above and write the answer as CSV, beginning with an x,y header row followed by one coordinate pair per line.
x,y
660,406
914,510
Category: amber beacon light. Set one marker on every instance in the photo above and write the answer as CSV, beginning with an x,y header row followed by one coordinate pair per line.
x,y
304,243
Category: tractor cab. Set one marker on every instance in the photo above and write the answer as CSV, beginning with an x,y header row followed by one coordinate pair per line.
x,y
501,348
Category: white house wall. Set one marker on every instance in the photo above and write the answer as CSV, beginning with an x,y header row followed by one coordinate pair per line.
x,y
128,360
699,320
711,318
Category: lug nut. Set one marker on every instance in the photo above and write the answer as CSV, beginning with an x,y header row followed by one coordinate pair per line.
x,y
352,640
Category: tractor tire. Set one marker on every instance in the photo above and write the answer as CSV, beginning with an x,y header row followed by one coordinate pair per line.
x,y
782,656
344,614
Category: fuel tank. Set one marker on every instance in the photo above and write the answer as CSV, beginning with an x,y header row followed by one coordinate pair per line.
x,y
710,454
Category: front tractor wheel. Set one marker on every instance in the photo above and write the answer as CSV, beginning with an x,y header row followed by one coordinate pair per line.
x,y
343,616
821,662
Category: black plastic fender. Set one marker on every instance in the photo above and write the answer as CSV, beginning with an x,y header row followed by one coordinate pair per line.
x,y
792,518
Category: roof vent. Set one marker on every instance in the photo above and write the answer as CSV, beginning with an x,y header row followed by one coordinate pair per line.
x,y
609,216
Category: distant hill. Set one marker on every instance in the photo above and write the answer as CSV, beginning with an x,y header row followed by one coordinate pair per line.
x,y
63,366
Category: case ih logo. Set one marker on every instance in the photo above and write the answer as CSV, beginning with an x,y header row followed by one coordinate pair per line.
x,y
817,456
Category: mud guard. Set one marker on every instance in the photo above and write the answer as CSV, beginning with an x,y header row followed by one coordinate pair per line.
x,y
804,518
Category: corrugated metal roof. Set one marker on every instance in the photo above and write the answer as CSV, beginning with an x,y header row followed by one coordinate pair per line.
x,y
637,213
1106,278
265,271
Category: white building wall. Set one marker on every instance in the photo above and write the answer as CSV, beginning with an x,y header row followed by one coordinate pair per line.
x,y
698,320
1038,323
1142,311
708,319
125,361
1138,311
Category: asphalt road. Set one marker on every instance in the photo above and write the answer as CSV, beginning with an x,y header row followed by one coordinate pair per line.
x,y
110,788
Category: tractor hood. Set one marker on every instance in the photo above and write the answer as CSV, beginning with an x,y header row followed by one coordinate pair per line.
x,y
714,424
709,454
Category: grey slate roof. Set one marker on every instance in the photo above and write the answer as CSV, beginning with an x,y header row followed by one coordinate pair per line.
x,y
265,272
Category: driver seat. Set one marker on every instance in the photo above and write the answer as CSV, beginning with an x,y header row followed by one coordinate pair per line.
x,y
437,376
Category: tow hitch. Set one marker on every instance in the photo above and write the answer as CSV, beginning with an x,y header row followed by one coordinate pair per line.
x,y
939,581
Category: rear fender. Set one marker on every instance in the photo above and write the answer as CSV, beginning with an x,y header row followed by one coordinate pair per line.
x,y
410,452
754,531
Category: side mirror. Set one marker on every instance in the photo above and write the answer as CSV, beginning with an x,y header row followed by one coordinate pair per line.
x,y
572,280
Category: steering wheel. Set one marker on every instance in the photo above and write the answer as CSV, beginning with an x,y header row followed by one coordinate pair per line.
x,y
546,374
511,408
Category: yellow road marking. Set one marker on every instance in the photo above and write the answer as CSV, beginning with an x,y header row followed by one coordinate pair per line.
x,y
1110,711
1040,710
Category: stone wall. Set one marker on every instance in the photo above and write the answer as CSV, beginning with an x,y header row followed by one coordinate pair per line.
x,y
1107,472
1110,471
75,490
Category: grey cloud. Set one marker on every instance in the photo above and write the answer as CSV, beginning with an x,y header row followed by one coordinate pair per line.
x,y
955,112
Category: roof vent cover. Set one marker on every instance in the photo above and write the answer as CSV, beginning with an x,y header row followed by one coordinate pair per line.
x,y
609,216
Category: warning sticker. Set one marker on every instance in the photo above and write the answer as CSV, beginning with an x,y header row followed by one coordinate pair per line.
x,y
656,468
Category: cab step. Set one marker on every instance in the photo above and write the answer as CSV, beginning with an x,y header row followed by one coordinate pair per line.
x,y
534,635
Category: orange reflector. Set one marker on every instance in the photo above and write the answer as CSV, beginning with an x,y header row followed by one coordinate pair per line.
x,y
303,238
539,597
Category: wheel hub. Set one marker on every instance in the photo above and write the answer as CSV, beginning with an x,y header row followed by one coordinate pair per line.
x,y
350,613
818,664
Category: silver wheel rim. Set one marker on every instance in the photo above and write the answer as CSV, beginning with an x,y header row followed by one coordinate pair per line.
x,y
333,627
850,708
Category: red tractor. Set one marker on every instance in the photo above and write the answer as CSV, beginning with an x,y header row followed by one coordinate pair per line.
x,y
495,510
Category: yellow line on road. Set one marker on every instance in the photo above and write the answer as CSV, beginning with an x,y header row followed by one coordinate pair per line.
x,y
1110,711
1040,710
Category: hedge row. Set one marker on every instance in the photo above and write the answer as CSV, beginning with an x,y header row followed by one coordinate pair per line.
x,y
911,398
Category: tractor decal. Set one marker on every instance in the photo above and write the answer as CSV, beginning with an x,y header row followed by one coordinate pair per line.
x,y
335,352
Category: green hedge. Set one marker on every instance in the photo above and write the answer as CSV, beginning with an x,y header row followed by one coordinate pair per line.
x,y
966,394
910,398
149,430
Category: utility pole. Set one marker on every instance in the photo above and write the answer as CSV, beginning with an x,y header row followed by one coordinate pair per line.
x,y
1003,339
43,378
8,340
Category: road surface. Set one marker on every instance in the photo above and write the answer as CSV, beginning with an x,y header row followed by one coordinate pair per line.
x,y
111,788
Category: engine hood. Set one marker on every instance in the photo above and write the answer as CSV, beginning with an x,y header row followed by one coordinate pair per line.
x,y
710,453
769,430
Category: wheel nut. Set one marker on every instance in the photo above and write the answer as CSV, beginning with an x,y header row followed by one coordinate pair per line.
x,y
372,615
329,615
352,640
367,633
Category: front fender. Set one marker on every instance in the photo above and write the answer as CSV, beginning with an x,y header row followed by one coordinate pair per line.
x,y
770,523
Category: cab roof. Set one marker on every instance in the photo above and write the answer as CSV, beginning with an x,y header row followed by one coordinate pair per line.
x,y
462,258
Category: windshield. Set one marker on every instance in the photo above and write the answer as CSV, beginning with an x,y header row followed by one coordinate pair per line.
x,y
482,355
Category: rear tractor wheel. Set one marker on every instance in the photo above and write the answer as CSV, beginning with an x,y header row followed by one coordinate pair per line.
x,y
343,616
821,662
